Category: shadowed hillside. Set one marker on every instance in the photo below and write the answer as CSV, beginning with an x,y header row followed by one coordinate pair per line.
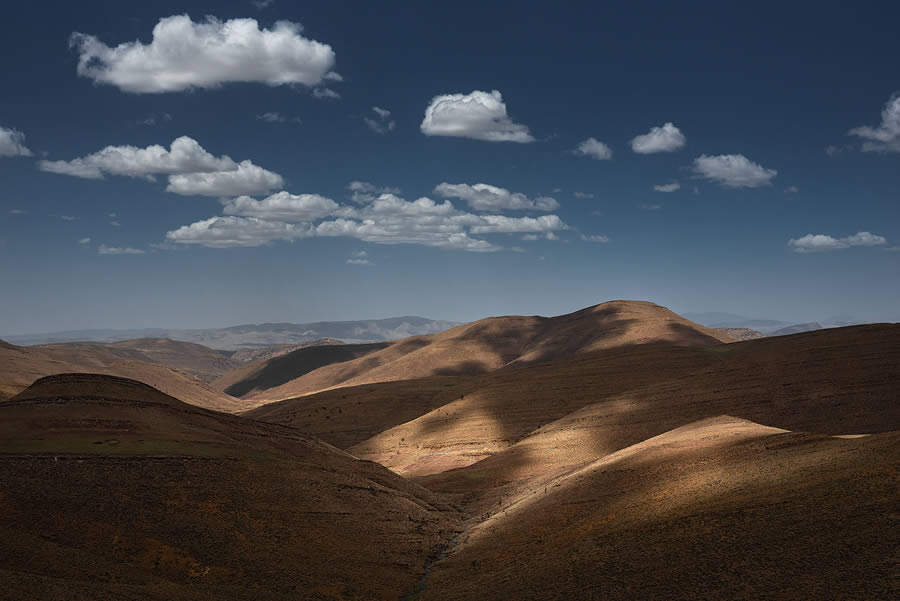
x,y
271,372
495,342
152,498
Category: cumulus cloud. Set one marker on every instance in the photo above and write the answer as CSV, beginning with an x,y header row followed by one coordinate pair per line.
x,y
185,155
479,115
595,149
364,192
247,179
667,187
595,238
667,138
382,122
282,206
228,232
885,137
386,219
12,143
821,242
733,171
116,250
484,197
185,55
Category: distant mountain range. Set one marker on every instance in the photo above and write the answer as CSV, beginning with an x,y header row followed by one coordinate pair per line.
x,y
251,336
769,327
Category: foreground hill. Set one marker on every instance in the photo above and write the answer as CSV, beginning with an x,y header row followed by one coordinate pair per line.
x,y
496,342
20,366
114,490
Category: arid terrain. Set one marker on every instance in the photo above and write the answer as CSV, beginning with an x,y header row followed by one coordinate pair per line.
x,y
618,452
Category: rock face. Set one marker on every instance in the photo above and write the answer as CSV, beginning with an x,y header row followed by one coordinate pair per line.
x,y
496,342
112,489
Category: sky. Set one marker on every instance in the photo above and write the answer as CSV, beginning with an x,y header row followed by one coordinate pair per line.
x,y
205,164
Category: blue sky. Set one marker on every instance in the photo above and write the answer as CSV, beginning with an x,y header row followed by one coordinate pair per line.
x,y
159,168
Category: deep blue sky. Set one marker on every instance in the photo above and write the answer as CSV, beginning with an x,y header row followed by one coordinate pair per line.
x,y
776,83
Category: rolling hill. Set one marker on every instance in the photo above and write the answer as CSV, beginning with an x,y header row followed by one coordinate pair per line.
x,y
496,342
20,366
152,498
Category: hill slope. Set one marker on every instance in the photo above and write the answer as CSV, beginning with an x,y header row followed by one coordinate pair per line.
x,y
20,366
152,498
495,342
272,372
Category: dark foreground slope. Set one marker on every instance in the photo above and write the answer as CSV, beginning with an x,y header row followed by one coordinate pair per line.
x,y
110,489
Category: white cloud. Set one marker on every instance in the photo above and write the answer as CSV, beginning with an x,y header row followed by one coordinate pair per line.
x,y
153,119
792,189
583,195
16,212
382,123
326,93
821,242
283,206
595,238
595,149
733,171
479,115
185,155
386,219
359,257
261,4
651,207
484,197
667,138
667,187
365,192
116,250
504,224
227,232
359,262
12,143
185,55
84,241
67,217
885,137
247,179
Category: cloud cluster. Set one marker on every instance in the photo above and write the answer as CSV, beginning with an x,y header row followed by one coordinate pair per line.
x,y
484,197
385,219
359,257
382,122
595,238
365,192
185,55
12,143
595,149
479,115
733,171
667,138
885,137
821,242
191,169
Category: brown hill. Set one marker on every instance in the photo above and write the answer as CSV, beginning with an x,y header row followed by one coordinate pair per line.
x,y
114,490
718,509
197,360
248,355
272,372
495,342
20,366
